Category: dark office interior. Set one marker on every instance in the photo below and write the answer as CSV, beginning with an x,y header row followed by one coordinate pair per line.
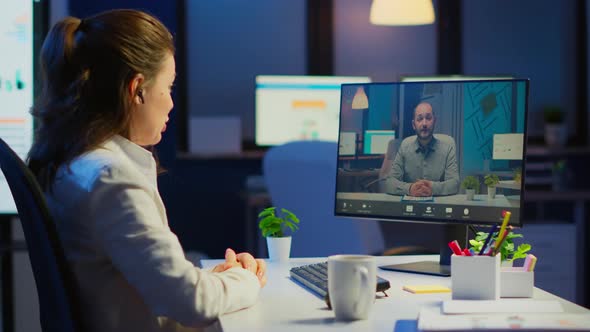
x,y
222,45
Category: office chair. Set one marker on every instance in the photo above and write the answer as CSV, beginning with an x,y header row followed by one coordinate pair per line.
x,y
56,287
389,157
301,176
375,185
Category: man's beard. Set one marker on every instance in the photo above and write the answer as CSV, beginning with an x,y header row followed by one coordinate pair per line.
x,y
425,134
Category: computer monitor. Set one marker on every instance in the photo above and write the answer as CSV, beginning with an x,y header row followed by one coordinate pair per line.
x,y
427,78
22,27
376,141
444,132
291,108
347,144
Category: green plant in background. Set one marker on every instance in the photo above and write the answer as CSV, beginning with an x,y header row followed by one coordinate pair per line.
x,y
518,175
491,180
507,250
553,114
559,166
275,225
470,182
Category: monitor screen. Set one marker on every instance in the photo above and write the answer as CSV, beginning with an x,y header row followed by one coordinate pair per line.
x,y
21,23
412,78
448,151
347,144
293,108
376,141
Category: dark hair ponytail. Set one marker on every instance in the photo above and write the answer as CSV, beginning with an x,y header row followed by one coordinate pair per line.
x,y
86,67
60,94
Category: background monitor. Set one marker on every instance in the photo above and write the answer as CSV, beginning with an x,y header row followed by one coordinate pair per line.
x,y
427,78
22,27
347,144
290,108
479,129
376,141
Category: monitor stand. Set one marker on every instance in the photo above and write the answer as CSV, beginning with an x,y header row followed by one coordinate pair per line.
x,y
443,266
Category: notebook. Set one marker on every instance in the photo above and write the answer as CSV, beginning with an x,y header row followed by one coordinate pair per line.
x,y
431,318
425,289
408,198
501,306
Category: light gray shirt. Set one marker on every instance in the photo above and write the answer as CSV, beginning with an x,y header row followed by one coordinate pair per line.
x,y
129,265
436,162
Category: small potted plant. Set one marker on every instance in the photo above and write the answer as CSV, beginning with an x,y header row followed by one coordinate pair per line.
x,y
518,175
274,226
555,133
491,180
507,250
471,186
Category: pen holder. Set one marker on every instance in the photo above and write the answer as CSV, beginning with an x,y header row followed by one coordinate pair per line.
x,y
475,277
515,282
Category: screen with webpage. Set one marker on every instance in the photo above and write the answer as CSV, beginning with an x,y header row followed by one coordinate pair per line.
x,y
294,108
16,84
441,152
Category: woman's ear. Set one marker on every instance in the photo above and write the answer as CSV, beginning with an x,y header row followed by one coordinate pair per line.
x,y
135,90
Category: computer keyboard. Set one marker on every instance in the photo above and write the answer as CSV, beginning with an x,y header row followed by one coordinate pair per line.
x,y
315,278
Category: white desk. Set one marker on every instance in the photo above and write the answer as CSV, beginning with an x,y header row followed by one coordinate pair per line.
x,y
286,306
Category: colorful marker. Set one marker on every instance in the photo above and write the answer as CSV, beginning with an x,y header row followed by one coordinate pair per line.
x,y
488,242
507,215
454,245
529,263
499,241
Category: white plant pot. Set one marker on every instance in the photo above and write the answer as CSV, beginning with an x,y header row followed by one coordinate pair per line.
x,y
470,193
506,263
491,192
279,248
555,134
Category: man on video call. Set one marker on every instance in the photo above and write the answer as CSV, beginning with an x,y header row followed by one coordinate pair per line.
x,y
425,164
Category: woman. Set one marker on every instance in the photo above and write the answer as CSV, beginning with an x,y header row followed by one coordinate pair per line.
x,y
105,103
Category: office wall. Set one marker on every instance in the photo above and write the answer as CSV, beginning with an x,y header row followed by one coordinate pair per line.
x,y
227,45
482,123
530,39
381,52
57,10
230,42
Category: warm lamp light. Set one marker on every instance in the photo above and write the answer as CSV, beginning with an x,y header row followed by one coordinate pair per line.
x,y
402,12
360,100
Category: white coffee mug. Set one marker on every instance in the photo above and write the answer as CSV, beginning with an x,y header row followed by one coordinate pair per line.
x,y
352,283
